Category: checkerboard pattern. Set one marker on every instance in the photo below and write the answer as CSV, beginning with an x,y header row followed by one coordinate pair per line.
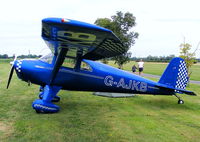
x,y
182,77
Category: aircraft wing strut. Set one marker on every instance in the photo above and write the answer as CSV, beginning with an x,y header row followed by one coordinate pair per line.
x,y
59,61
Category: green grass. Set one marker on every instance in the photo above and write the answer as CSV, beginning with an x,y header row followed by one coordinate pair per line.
x,y
87,118
5,60
158,68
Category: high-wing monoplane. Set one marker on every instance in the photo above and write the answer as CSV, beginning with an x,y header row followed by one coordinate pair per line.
x,y
75,47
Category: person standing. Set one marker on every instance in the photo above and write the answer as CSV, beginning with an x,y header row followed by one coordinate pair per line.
x,y
134,68
140,66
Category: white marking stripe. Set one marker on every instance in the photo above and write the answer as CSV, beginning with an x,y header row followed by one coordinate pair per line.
x,y
73,72
44,107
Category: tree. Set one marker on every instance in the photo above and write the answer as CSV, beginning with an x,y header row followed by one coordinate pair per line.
x,y
4,56
122,59
187,56
105,60
121,25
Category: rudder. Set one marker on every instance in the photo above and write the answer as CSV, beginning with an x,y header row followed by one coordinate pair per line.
x,y
176,74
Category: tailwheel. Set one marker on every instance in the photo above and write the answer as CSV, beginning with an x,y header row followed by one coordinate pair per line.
x,y
180,101
41,106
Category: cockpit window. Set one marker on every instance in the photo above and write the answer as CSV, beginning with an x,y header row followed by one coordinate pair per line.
x,y
85,66
47,58
69,63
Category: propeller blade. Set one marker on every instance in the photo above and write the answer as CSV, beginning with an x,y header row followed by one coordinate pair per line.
x,y
11,71
10,76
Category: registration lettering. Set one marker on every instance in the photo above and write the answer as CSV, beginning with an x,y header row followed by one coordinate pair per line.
x,y
108,80
125,84
76,37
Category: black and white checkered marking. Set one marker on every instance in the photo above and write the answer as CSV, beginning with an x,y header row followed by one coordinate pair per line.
x,y
182,77
18,67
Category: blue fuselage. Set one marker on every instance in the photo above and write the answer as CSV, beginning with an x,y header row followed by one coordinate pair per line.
x,y
101,78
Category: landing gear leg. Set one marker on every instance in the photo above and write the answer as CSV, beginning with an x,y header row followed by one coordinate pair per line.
x,y
41,94
45,105
180,101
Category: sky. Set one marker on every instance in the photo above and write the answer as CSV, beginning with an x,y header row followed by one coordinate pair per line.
x,y
162,24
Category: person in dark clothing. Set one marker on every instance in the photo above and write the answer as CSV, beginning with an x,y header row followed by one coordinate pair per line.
x,y
134,68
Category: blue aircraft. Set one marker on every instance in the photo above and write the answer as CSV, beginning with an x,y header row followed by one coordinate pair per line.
x,y
82,44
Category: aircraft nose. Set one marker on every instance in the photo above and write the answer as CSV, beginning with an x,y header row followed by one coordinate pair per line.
x,y
17,65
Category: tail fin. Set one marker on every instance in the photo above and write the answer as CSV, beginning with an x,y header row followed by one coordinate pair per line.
x,y
176,74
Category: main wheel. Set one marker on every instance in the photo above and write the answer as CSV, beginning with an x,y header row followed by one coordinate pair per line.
x,y
41,95
180,102
56,99
41,106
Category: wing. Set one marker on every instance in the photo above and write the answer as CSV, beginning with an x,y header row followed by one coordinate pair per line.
x,y
92,41
70,38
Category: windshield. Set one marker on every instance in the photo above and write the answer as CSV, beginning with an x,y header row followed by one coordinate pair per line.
x,y
47,58
85,66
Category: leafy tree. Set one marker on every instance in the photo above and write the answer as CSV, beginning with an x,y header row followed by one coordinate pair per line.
x,y
122,59
187,56
121,25
105,60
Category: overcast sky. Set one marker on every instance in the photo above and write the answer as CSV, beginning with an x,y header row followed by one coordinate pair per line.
x,y
162,25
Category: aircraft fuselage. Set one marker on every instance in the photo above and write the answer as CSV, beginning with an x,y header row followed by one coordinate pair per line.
x,y
101,78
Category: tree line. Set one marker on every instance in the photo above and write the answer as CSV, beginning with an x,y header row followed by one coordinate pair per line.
x,y
5,56
154,58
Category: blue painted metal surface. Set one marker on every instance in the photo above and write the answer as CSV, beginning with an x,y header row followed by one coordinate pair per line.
x,y
95,42
102,78
82,41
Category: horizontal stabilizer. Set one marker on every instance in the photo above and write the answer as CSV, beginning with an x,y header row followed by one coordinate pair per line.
x,y
187,92
113,95
176,90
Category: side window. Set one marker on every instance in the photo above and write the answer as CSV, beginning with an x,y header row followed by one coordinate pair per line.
x,y
69,63
47,58
85,67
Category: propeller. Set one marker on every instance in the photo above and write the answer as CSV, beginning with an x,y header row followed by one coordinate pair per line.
x,y
11,71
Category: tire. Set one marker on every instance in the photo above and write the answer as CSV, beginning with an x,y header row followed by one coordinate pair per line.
x,y
180,102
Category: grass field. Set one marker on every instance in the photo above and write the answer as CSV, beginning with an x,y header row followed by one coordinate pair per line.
x,y
87,118
158,68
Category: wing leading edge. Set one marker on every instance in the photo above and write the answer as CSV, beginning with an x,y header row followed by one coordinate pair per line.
x,y
92,41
